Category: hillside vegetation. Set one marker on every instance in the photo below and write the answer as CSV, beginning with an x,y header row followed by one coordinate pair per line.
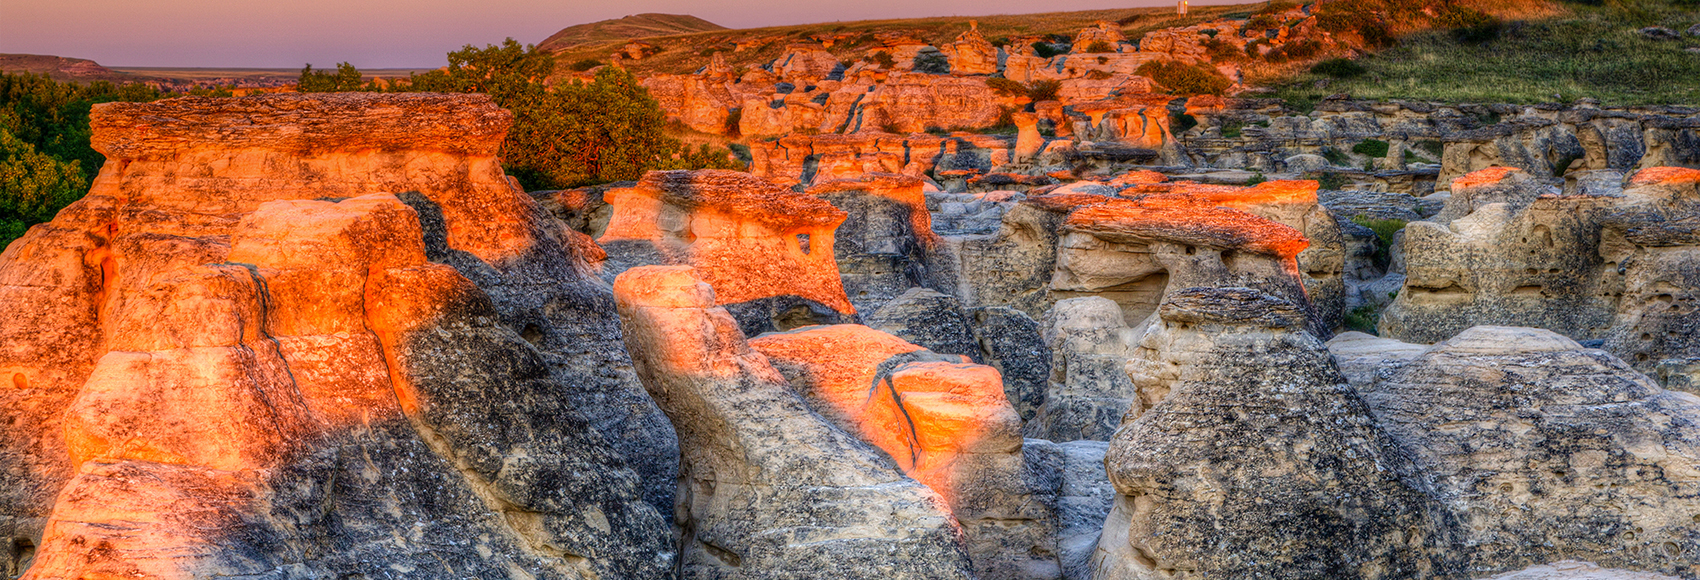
x,y
1593,50
622,29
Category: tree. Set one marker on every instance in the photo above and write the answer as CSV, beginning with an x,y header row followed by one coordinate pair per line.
x,y
574,134
346,78
33,186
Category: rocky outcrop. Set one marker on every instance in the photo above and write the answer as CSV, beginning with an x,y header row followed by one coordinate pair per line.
x,y
945,422
881,249
1087,392
1548,451
1592,266
971,53
767,250
1257,459
219,374
770,489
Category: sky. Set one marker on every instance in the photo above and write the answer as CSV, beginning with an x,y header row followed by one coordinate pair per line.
x,y
374,34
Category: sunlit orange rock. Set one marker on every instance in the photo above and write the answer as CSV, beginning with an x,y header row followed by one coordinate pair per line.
x,y
751,239
1666,175
943,420
761,468
202,346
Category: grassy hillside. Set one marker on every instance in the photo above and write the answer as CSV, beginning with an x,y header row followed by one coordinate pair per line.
x,y
621,29
1590,50
688,52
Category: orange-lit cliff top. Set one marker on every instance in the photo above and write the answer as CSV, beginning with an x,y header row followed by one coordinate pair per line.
x,y
1666,175
303,124
1198,225
1268,192
740,194
1483,177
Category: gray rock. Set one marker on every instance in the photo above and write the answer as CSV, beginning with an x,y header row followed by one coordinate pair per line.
x,y
1307,163
1012,341
1088,390
1659,33
1258,459
930,319
1082,505
1547,451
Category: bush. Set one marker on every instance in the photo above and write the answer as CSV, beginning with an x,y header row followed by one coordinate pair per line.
x,y
1184,79
1181,122
1256,178
1006,87
585,65
881,58
1371,147
1043,90
1468,24
1223,51
1385,230
33,186
1302,49
1048,50
1100,46
1340,68
1098,75
346,78
932,63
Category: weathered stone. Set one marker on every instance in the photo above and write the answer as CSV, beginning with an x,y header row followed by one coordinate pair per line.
x,y
767,250
770,489
881,249
945,423
284,377
1257,459
1088,391
1548,451
931,319
1012,342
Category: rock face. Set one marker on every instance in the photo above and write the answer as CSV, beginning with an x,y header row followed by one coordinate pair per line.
x,y
218,375
971,54
945,422
767,251
1088,391
1548,451
770,489
1613,267
1257,459
881,249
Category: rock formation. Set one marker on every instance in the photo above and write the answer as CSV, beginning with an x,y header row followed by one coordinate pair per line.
x,y
1549,451
769,489
1257,459
217,373
945,422
767,251
1617,267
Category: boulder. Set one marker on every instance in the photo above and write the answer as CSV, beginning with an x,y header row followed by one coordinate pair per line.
x,y
1548,451
766,249
769,488
1257,459
971,53
1010,341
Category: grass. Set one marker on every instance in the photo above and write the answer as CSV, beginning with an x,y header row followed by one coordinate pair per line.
x,y
1591,51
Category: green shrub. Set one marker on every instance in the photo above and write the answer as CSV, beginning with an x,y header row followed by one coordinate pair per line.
x,y
1328,180
584,65
1371,147
1340,68
33,186
1100,46
1434,148
1363,319
1223,51
1468,24
881,58
1302,49
1185,79
1048,50
1385,230
1181,122
1256,178
1334,156
1098,75
346,78
1231,129
1006,87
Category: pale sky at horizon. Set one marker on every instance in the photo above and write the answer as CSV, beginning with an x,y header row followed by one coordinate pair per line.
x,y
373,34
